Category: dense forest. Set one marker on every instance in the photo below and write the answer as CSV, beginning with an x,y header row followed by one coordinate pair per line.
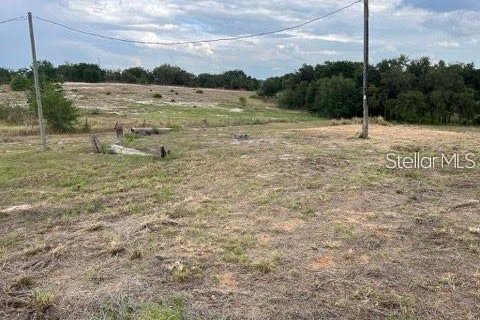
x,y
403,90
164,75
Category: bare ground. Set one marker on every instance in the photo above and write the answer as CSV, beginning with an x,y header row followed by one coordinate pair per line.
x,y
298,222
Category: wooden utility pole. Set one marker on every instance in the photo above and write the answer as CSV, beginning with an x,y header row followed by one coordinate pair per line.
x,y
365,71
37,85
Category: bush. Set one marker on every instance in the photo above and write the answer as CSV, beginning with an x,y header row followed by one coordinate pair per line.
x,y
200,91
157,96
19,83
243,101
59,111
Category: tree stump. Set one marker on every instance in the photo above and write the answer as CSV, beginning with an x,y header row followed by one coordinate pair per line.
x,y
118,130
97,147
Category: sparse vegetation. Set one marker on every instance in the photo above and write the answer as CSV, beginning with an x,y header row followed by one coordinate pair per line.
x,y
300,209
157,96
13,114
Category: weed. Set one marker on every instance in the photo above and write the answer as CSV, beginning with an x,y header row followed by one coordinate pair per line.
x,y
157,96
136,254
267,264
118,307
308,212
116,248
344,229
182,272
235,250
95,275
42,299
24,281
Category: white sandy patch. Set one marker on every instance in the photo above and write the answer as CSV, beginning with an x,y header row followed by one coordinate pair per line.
x,y
17,208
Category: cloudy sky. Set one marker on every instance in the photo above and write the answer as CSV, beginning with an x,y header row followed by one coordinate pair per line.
x,y
441,29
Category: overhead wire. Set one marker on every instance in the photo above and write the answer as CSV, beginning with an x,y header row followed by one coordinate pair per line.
x,y
253,35
13,19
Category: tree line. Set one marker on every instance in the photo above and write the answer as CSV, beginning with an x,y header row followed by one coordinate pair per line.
x,y
400,89
164,75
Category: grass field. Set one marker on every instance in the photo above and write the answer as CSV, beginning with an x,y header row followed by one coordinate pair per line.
x,y
301,221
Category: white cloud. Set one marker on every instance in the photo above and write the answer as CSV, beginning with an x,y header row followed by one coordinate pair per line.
x,y
396,27
324,37
458,23
449,44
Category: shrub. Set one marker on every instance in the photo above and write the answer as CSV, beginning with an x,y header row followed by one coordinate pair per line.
x,y
157,96
59,111
200,91
243,101
108,93
19,83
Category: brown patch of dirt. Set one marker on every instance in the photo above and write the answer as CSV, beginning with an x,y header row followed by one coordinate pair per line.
x,y
289,225
320,263
264,239
227,280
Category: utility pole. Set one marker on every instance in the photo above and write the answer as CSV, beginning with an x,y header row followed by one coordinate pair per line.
x,y
365,71
37,85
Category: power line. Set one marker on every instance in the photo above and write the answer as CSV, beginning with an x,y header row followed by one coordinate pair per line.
x,y
13,19
253,35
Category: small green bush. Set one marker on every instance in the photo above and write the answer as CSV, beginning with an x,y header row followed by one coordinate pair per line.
x,y
200,91
243,101
19,83
59,111
157,96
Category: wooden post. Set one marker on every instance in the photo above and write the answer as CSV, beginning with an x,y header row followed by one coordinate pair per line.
x,y
365,70
97,147
37,84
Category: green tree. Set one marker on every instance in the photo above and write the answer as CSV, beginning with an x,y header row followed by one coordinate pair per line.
x,y
5,76
410,106
59,111
337,97
270,87
294,98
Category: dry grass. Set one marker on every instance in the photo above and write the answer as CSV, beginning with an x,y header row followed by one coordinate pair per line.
x,y
300,221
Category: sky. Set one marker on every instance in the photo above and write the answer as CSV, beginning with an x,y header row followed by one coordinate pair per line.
x,y
442,29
